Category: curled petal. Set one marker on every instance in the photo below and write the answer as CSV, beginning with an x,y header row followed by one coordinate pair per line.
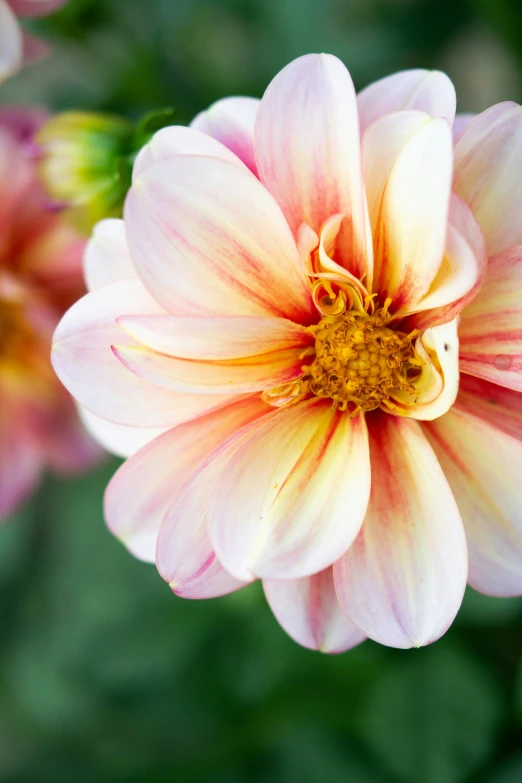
x,y
84,362
491,325
308,149
436,386
292,492
482,464
309,612
208,239
403,579
178,140
11,43
213,339
107,258
410,232
461,273
488,160
428,91
232,121
141,491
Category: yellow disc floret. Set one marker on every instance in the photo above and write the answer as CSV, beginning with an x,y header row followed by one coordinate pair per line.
x,y
359,360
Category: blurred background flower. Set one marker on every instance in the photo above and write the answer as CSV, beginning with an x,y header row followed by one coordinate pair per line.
x,y
107,677
40,276
16,45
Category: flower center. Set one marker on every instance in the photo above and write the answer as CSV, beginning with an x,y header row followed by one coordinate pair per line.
x,y
359,360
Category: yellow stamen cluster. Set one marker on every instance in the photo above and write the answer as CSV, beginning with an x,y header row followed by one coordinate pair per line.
x,y
359,360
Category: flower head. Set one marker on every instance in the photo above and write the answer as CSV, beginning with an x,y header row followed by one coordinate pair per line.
x,y
15,45
40,276
273,334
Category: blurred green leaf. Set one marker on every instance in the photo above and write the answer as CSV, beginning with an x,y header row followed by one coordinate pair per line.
x,y
433,716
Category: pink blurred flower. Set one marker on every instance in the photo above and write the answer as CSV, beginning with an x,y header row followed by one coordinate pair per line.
x,y
278,316
17,46
40,276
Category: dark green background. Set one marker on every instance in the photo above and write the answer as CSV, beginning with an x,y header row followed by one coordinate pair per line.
x,y
104,675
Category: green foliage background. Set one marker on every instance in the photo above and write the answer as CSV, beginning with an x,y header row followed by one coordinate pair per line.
x,y
105,677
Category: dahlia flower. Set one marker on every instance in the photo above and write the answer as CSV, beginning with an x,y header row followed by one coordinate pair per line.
x,y
40,276
273,334
16,45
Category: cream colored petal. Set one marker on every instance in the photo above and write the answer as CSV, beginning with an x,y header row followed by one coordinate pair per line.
x,y
403,579
410,231
213,339
243,375
292,493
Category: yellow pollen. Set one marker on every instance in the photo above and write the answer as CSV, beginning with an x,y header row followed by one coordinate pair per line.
x,y
359,360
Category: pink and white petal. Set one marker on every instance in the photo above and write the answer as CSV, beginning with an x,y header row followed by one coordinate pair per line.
x,y
410,235
84,362
482,465
185,556
461,273
436,387
488,159
214,339
461,123
427,91
491,325
249,374
121,440
11,43
403,579
308,148
292,492
309,612
107,258
232,121
178,140
208,239
496,405
144,487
